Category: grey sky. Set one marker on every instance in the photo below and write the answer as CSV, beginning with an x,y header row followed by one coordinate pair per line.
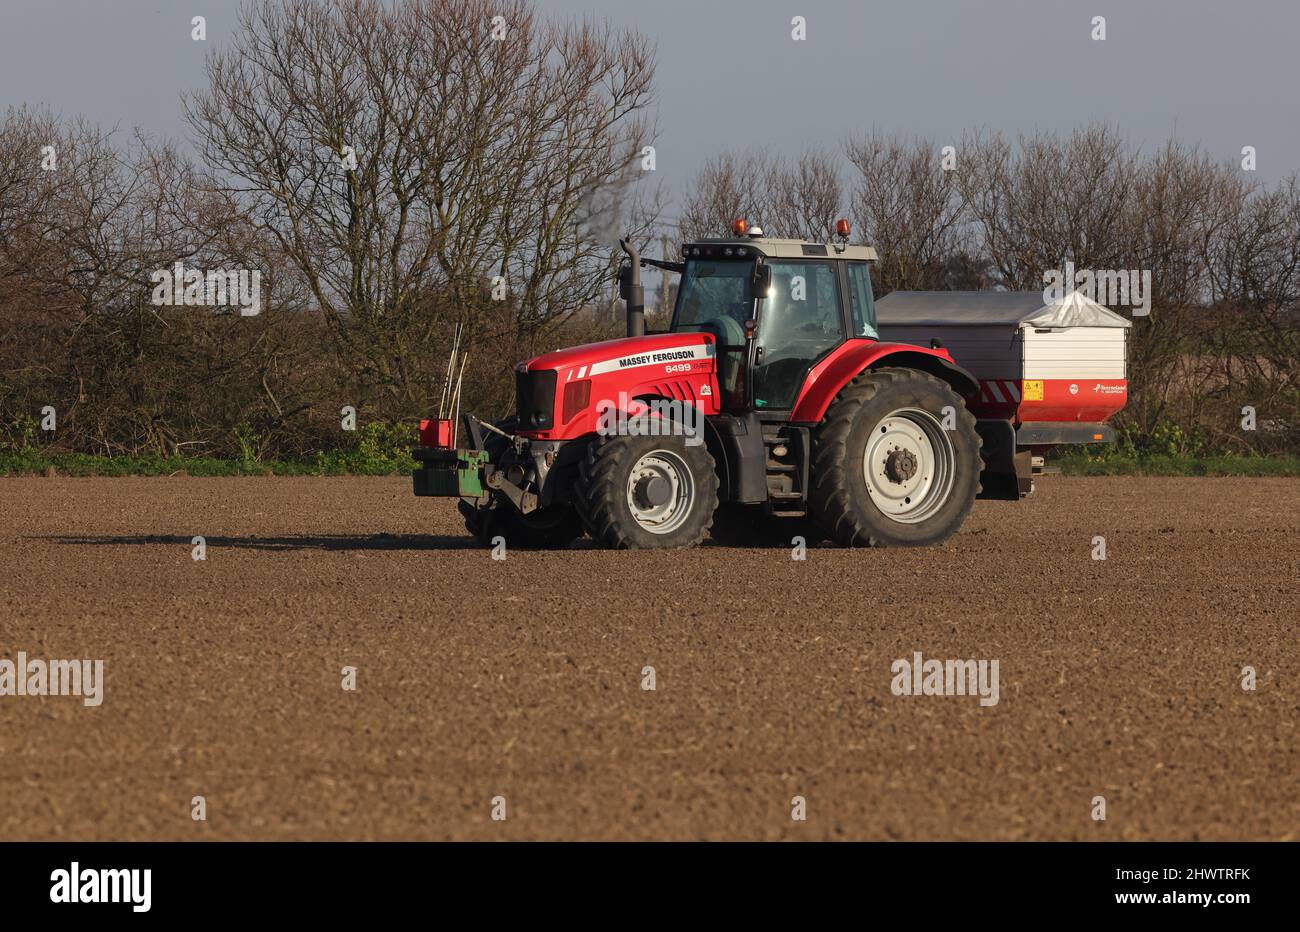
x,y
1224,74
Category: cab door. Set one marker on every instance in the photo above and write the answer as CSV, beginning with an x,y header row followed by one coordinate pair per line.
x,y
799,321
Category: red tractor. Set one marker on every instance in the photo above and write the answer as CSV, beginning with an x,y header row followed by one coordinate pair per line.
x,y
769,397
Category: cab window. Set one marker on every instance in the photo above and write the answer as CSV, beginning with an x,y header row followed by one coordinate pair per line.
x,y
862,303
714,291
716,297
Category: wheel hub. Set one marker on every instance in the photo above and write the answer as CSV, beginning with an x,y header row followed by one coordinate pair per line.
x,y
660,491
652,491
909,465
900,465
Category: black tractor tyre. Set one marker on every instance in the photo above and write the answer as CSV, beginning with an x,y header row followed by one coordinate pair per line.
x,y
749,526
606,483
853,509
553,528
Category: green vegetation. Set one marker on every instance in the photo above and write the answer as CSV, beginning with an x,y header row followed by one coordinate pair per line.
x,y
1168,450
384,449
378,450
372,457
1102,460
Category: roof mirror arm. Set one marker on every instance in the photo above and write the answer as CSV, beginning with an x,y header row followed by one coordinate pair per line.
x,y
635,257
664,264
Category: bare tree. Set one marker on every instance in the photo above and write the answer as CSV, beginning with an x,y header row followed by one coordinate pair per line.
x,y
796,200
1052,199
411,159
1253,326
910,208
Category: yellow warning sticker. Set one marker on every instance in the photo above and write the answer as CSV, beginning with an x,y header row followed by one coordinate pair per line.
x,y
1034,390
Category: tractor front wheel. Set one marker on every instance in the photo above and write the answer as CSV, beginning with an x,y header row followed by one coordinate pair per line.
x,y
647,492
896,461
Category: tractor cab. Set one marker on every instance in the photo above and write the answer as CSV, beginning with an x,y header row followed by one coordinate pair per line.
x,y
775,307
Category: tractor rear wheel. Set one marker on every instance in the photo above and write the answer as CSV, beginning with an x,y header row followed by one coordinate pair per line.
x,y
552,528
896,461
646,492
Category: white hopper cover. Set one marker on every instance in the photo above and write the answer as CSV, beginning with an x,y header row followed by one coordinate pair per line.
x,y
1075,310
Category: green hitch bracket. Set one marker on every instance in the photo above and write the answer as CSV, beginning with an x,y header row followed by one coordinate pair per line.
x,y
450,473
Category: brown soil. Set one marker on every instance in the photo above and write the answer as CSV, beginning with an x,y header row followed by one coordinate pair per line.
x,y
522,678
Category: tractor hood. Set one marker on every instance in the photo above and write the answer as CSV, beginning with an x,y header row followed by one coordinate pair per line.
x,y
593,359
559,395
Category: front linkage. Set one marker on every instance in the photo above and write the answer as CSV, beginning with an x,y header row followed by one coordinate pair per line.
x,y
501,484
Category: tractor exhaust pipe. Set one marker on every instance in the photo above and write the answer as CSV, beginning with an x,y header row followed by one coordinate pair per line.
x,y
630,290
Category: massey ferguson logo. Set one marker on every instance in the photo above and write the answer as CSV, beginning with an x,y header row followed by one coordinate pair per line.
x,y
678,354
651,358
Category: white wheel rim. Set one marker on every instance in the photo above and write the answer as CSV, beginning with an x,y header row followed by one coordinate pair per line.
x,y
909,465
661,466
